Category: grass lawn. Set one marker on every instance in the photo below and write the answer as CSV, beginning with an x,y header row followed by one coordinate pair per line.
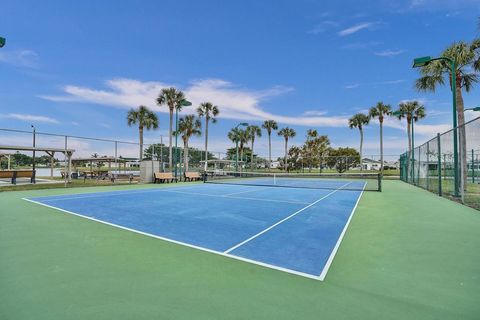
x,y
408,254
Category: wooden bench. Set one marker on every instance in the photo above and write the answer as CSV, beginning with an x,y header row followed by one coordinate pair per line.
x,y
192,176
14,174
163,177
121,176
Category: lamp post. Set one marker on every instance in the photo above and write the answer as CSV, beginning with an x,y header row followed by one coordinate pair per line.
x,y
473,109
423,61
244,124
183,103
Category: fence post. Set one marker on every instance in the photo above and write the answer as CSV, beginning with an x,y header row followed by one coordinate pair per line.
x,y
65,162
439,165
428,165
473,166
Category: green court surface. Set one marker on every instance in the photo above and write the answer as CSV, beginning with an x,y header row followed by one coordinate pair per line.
x,y
408,254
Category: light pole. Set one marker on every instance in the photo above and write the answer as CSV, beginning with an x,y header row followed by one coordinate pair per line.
x,y
423,61
244,124
183,103
473,109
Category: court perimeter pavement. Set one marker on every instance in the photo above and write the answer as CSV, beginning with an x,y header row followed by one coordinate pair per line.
x,y
408,254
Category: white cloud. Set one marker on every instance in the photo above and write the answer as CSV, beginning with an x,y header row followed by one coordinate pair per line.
x,y
389,53
22,58
28,118
314,113
428,130
234,102
352,86
356,28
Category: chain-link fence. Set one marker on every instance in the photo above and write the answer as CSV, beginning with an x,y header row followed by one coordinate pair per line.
x,y
436,166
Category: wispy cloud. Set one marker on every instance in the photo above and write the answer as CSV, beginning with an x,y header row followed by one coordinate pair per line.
x,y
28,117
314,113
235,102
352,86
21,58
389,53
356,28
324,26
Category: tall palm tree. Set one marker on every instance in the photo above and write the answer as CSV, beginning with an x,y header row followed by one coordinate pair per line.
x,y
380,111
438,72
411,111
209,111
286,133
270,125
145,119
253,132
173,99
359,121
188,126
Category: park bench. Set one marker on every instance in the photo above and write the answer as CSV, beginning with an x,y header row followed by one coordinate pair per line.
x,y
164,177
121,176
192,176
14,174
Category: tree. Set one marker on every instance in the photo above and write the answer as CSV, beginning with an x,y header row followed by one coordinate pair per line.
x,y
241,137
286,133
467,60
188,126
342,159
295,158
145,119
270,125
174,100
359,121
209,112
411,111
380,111
253,132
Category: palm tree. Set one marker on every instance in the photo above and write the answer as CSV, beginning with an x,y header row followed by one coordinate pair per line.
x,y
188,126
411,111
253,132
173,99
145,119
380,111
209,111
270,125
286,133
239,136
312,134
359,121
467,60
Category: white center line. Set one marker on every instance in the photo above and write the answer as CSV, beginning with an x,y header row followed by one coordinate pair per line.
x,y
283,220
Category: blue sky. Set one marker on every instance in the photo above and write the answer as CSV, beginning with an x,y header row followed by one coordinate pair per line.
x,y
77,67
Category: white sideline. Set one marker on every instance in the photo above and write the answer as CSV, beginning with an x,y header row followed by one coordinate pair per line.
x,y
323,274
284,219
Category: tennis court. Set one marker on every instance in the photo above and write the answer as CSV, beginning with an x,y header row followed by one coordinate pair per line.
x,y
293,229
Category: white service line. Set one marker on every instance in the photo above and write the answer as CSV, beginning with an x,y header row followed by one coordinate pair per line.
x,y
283,220
233,197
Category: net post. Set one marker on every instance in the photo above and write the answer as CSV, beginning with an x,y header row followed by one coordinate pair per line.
x,y
439,165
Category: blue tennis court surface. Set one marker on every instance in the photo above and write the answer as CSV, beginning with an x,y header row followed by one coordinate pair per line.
x,y
290,229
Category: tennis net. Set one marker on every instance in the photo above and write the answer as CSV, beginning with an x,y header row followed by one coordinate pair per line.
x,y
343,181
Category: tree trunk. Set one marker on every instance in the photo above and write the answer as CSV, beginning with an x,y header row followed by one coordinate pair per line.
x,y
206,142
286,155
185,154
269,150
462,138
409,153
381,148
170,162
251,156
140,132
361,148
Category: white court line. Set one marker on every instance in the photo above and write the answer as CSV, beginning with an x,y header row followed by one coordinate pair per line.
x,y
339,240
270,266
283,220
